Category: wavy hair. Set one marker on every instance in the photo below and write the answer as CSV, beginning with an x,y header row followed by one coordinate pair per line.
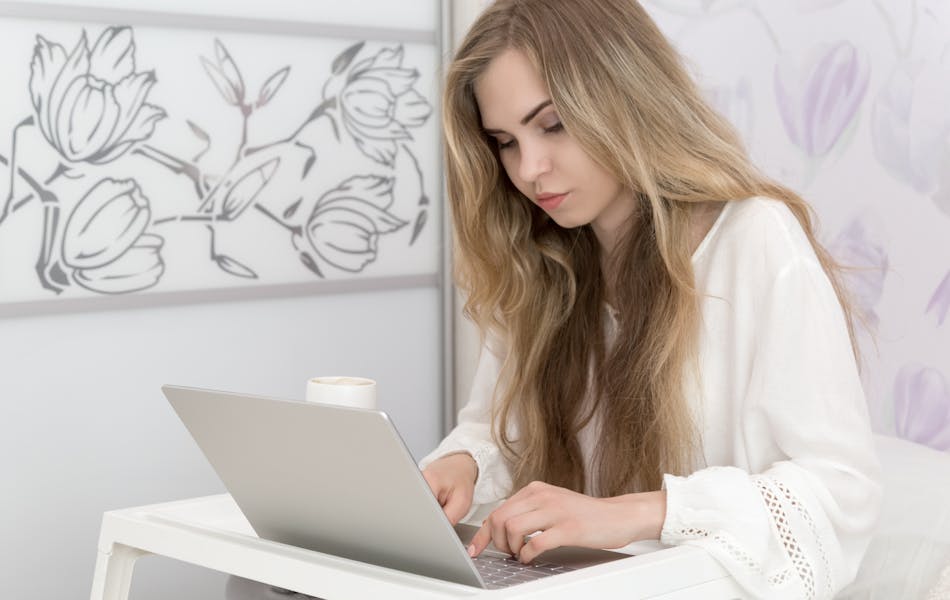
x,y
622,93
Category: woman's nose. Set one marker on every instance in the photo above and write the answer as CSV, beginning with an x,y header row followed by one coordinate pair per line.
x,y
535,161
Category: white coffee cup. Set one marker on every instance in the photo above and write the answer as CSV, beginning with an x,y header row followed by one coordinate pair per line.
x,y
355,392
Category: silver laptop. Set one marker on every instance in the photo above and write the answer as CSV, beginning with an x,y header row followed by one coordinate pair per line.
x,y
341,481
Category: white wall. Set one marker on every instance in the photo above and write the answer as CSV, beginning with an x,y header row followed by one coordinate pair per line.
x,y
466,338
84,427
846,102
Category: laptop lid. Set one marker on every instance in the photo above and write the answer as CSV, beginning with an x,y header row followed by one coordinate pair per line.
x,y
333,479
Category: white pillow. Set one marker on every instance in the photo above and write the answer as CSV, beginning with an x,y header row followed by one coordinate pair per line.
x,y
911,545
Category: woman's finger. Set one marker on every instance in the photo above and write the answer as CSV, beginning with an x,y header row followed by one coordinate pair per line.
x,y
436,485
456,506
520,527
548,539
496,525
480,540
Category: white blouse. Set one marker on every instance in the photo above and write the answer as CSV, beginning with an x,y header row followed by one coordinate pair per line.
x,y
789,494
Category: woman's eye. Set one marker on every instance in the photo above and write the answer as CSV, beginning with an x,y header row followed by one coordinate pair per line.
x,y
502,145
554,128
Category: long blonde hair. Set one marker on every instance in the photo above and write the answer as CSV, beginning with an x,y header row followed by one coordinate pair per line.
x,y
622,93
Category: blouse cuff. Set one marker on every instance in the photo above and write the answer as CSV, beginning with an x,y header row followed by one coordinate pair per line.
x,y
676,524
699,506
492,482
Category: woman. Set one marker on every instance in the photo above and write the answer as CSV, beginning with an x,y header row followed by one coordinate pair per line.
x,y
668,350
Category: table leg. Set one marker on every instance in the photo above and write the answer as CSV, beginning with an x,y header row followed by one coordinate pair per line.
x,y
113,575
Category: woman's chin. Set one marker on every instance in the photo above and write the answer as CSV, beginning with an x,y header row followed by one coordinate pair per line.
x,y
568,221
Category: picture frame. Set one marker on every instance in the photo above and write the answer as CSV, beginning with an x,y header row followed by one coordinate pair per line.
x,y
168,153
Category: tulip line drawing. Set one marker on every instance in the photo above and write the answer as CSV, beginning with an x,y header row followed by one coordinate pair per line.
x,y
176,165
711,8
922,406
12,207
9,199
422,215
866,266
226,77
902,50
50,275
756,12
105,242
703,8
819,97
908,141
90,105
370,102
940,301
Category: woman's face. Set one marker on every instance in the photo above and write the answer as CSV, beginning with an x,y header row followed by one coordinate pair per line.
x,y
545,163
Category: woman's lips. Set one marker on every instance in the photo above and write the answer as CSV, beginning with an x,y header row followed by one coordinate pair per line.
x,y
550,201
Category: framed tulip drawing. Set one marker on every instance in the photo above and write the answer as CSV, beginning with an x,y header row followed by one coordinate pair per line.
x,y
147,160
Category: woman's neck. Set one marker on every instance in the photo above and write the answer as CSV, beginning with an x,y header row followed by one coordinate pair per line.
x,y
701,219
703,216
610,225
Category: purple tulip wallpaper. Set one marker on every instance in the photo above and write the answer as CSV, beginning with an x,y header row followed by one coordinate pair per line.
x,y
848,102
138,159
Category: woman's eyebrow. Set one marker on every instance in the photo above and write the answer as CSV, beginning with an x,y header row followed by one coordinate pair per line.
x,y
524,121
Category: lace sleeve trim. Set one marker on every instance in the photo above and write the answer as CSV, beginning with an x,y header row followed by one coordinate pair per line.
x,y
732,548
778,499
796,531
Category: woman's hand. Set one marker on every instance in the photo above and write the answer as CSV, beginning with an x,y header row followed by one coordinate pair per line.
x,y
566,518
452,479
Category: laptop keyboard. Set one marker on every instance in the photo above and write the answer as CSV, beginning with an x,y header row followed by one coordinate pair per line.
x,y
502,571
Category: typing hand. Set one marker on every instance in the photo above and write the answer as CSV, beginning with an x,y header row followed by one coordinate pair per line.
x,y
452,480
542,517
